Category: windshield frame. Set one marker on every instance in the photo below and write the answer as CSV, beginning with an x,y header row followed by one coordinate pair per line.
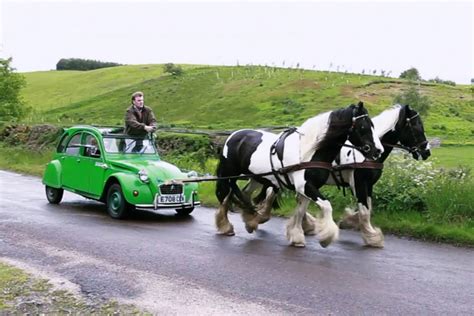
x,y
148,144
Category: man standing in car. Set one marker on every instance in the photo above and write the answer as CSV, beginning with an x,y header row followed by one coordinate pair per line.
x,y
139,118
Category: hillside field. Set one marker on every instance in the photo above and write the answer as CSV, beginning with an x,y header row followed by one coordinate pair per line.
x,y
218,97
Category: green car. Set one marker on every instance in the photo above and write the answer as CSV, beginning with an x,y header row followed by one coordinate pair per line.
x,y
122,171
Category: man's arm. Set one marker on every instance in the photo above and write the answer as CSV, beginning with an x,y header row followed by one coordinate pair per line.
x,y
152,119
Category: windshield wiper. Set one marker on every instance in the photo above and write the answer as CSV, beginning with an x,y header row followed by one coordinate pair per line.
x,y
129,145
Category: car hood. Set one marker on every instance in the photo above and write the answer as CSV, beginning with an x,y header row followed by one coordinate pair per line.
x,y
157,169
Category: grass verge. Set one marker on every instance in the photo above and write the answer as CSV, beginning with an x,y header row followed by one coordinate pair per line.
x,y
21,293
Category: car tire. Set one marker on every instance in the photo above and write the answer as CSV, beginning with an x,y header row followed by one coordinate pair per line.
x,y
117,206
54,195
184,211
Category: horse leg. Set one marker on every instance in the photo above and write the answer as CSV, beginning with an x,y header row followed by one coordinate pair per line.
x,y
350,219
294,230
309,224
222,221
326,229
265,211
371,235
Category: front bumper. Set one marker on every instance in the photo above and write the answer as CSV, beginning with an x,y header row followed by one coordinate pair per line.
x,y
156,205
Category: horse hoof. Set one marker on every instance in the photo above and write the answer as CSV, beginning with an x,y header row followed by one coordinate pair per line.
x,y
325,243
263,220
298,245
249,229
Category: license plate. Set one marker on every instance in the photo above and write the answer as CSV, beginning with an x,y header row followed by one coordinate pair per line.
x,y
170,198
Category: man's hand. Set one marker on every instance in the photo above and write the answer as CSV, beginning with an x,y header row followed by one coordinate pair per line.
x,y
150,129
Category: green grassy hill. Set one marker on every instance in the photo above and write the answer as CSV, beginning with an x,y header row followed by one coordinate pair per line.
x,y
234,97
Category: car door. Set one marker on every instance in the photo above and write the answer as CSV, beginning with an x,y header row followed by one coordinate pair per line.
x,y
93,164
73,175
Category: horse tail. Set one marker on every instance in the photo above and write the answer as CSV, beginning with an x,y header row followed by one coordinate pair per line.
x,y
222,185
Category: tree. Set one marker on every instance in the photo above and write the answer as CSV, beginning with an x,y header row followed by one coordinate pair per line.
x,y
12,106
411,74
414,99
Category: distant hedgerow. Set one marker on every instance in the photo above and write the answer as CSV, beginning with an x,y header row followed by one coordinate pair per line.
x,y
82,64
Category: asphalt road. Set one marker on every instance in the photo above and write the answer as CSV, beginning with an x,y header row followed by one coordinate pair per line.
x,y
170,265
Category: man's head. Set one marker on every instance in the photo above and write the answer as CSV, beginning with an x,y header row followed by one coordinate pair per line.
x,y
137,99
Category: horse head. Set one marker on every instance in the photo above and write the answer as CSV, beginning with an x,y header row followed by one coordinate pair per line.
x,y
361,134
412,134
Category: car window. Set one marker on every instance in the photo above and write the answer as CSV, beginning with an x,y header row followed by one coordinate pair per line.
x,y
91,148
62,143
74,145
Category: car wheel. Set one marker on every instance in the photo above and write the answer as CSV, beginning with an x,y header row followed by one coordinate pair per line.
x,y
184,211
54,195
117,206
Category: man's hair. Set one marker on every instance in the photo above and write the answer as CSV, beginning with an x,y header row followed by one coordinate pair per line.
x,y
137,94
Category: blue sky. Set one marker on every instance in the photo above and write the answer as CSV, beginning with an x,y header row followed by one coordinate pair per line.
x,y
436,37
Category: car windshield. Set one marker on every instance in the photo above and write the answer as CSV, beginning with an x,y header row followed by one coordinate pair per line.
x,y
128,146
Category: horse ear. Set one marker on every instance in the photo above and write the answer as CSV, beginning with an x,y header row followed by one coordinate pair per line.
x,y
360,104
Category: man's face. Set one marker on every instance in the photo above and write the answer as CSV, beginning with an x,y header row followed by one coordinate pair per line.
x,y
138,101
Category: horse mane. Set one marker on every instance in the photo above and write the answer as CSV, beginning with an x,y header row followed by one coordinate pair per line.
x,y
387,120
321,130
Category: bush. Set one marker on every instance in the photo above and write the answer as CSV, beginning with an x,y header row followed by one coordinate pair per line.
x,y
441,196
174,70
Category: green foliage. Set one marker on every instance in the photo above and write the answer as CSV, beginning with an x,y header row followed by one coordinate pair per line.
x,y
441,196
411,74
12,106
173,69
82,64
413,98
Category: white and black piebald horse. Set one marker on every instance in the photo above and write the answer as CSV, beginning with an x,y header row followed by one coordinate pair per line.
x,y
318,140
400,126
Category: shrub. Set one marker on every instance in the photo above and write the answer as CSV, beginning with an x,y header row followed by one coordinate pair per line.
x,y
174,70
442,196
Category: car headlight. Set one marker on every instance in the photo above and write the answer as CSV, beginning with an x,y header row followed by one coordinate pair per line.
x,y
192,174
143,176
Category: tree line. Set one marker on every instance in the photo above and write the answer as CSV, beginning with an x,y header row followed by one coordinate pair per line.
x,y
83,64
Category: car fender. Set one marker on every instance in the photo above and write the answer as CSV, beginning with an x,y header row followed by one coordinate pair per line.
x,y
52,174
129,182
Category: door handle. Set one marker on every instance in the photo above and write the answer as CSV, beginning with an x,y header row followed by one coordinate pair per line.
x,y
101,165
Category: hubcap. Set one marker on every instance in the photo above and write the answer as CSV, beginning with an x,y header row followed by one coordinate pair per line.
x,y
115,201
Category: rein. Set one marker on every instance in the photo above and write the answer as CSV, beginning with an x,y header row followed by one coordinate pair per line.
x,y
282,171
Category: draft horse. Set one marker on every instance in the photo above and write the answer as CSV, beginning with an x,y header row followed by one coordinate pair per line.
x,y
399,126
262,155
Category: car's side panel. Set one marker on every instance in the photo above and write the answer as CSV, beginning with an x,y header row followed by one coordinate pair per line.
x,y
52,174
129,183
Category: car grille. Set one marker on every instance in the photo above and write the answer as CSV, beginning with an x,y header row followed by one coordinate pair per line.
x,y
171,189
